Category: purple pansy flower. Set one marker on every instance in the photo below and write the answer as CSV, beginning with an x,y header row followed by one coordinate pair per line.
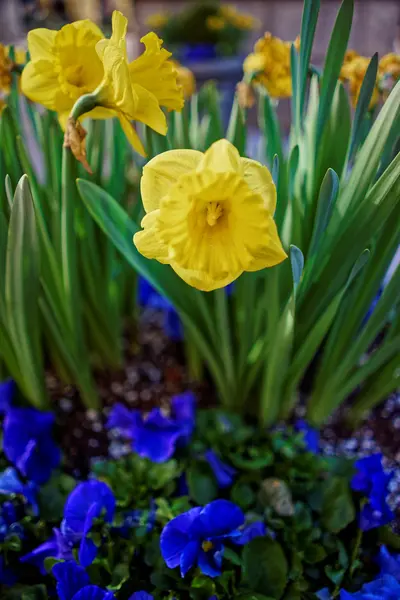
x,y
87,502
155,436
148,296
310,435
7,389
55,547
384,588
7,575
73,583
389,563
28,443
11,484
9,522
224,474
249,532
197,537
372,481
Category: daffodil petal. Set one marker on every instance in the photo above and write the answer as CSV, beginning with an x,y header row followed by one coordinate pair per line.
x,y
222,156
272,254
148,110
148,241
203,281
162,172
119,29
39,83
260,181
156,73
40,44
131,134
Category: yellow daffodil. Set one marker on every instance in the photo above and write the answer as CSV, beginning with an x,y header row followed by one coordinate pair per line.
x,y
270,63
215,23
209,215
78,61
157,20
186,79
19,53
64,66
353,72
5,70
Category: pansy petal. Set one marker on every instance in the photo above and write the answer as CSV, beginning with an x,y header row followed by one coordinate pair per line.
x,y
122,418
222,156
40,44
210,562
93,592
7,390
70,579
141,596
82,498
189,556
175,537
162,172
260,181
220,517
87,552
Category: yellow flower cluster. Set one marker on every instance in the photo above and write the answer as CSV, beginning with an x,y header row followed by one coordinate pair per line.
x,y
237,19
78,60
270,65
355,67
209,216
157,20
6,67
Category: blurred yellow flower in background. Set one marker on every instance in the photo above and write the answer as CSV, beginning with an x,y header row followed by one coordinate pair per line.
x,y
270,63
353,72
388,72
157,20
64,66
186,79
5,70
215,23
209,215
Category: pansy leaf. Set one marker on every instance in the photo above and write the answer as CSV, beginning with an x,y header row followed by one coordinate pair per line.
x,y
265,567
338,508
202,485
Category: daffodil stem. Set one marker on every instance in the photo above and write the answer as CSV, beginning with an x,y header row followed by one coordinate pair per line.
x,y
223,325
83,105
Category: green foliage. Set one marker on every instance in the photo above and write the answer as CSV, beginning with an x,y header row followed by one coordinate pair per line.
x,y
265,567
67,287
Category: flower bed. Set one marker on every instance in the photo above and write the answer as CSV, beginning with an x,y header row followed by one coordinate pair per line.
x,y
202,504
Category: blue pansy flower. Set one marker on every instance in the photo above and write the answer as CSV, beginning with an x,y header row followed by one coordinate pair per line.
x,y
11,484
389,563
87,502
323,594
224,474
148,296
28,443
310,435
55,547
249,532
141,596
73,583
7,575
371,480
197,537
9,522
155,436
384,588
7,389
